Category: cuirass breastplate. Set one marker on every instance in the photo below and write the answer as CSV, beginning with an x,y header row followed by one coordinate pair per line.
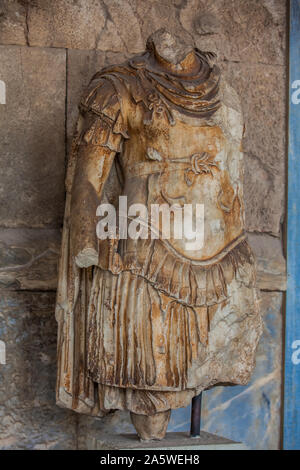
x,y
187,163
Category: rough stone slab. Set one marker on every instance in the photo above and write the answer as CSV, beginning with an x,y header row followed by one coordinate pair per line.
x,y
13,28
32,137
251,414
247,31
261,89
85,24
29,417
152,15
172,441
29,258
271,264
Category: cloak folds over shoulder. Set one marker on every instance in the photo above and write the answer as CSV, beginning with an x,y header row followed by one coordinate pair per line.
x,y
101,129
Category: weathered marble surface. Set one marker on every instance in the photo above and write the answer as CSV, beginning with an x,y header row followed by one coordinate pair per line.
x,y
29,417
29,258
82,65
90,428
32,137
248,414
13,27
246,31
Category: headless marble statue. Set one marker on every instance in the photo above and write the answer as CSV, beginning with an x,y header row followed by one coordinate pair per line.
x,y
145,324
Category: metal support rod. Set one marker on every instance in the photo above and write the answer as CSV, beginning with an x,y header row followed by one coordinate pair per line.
x,y
196,415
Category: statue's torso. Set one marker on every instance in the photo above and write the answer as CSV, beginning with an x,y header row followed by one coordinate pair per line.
x,y
189,162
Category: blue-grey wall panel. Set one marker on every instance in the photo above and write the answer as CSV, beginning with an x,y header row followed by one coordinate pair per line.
x,y
292,350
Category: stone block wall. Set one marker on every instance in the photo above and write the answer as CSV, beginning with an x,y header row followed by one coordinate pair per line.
x,y
48,53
